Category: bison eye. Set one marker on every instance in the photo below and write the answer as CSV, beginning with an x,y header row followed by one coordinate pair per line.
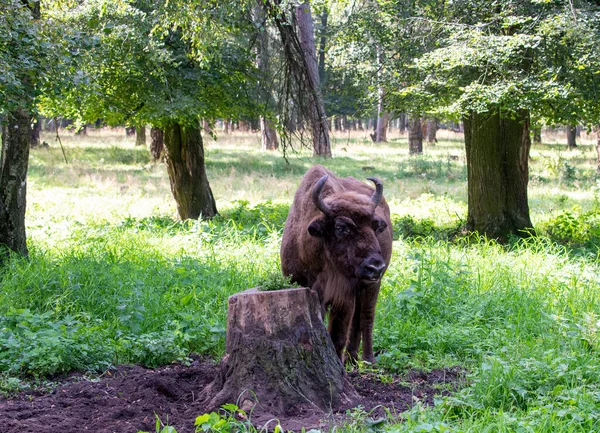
x,y
379,226
341,231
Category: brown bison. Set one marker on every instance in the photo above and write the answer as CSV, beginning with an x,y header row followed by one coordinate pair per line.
x,y
337,240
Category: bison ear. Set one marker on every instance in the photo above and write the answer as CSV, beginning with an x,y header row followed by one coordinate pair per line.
x,y
317,227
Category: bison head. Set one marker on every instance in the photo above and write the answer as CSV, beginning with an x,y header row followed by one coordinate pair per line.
x,y
349,229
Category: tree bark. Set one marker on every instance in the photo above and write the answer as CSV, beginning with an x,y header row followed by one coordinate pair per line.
x,y
382,117
318,118
13,180
403,123
268,135
157,143
140,135
184,155
432,127
227,126
537,135
498,173
14,162
322,42
415,135
279,350
269,139
36,129
598,146
382,120
571,137
244,126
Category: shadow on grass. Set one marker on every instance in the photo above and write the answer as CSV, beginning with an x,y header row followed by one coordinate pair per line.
x,y
97,156
116,296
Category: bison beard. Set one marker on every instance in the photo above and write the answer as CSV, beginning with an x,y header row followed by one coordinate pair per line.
x,y
337,240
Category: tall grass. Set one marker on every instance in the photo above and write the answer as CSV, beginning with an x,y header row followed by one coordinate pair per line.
x,y
114,277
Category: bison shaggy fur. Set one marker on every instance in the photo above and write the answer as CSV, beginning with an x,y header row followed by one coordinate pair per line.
x,y
337,240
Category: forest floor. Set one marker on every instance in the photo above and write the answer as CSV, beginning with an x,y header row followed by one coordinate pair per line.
x,y
129,398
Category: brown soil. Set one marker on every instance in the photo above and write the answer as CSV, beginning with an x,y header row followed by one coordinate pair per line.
x,y
127,398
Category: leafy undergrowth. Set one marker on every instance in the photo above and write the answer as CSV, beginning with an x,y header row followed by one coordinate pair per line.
x,y
523,319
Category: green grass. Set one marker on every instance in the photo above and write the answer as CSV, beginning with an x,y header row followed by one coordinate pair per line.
x,y
113,277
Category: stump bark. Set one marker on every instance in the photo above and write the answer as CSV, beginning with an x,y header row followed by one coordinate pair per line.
x,y
279,351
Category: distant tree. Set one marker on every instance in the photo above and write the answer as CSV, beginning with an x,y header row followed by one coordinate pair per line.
x,y
269,139
318,118
36,129
296,29
415,135
537,134
432,127
598,146
140,135
495,64
167,64
571,137
382,115
157,143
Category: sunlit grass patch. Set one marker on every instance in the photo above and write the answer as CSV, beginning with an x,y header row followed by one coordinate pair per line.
x,y
114,276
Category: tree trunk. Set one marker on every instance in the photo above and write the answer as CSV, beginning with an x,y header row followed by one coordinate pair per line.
x,y
402,123
36,129
14,160
382,120
184,154
140,135
571,137
415,135
279,349
268,135
497,169
382,117
157,143
598,145
537,135
269,139
318,118
432,127
227,126
322,42
244,126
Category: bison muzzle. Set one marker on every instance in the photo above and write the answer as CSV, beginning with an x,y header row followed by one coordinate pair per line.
x,y
337,240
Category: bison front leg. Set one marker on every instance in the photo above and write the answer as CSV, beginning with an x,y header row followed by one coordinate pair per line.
x,y
340,319
366,304
355,335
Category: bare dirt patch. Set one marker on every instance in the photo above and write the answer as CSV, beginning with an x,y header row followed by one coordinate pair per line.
x,y
127,398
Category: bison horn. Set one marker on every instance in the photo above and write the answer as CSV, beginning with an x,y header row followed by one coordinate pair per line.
x,y
376,197
316,196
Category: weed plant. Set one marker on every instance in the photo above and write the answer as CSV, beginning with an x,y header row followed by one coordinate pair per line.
x,y
114,277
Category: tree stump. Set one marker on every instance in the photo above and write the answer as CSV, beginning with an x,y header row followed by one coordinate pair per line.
x,y
279,350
